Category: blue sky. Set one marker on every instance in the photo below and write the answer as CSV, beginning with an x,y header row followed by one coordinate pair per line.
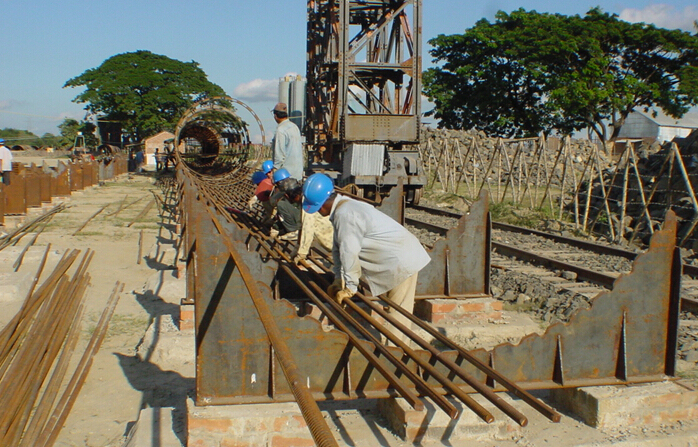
x,y
243,46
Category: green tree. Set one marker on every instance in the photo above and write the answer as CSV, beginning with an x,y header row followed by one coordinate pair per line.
x,y
146,92
528,73
70,128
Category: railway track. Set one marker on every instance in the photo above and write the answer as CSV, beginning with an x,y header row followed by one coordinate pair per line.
x,y
574,265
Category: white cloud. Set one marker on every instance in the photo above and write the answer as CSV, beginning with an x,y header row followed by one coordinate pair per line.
x,y
259,90
663,16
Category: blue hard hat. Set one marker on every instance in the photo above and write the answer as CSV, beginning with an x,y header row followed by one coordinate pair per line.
x,y
280,174
316,190
267,166
258,177
2,140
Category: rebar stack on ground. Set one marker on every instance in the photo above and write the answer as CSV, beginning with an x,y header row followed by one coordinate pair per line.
x,y
35,351
14,237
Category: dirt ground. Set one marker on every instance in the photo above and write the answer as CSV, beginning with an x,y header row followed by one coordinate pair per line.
x,y
147,363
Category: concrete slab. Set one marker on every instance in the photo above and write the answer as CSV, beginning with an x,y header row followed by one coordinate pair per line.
x,y
432,424
247,425
623,406
156,427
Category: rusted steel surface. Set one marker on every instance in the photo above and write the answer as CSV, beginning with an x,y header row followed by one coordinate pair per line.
x,y
76,177
363,72
628,335
45,182
2,204
15,198
62,180
32,189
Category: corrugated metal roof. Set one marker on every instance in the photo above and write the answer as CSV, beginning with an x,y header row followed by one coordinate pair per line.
x,y
689,120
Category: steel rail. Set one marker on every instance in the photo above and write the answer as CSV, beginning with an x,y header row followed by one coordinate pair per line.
x,y
583,274
317,425
690,270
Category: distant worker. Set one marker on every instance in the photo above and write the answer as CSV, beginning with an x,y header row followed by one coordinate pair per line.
x,y
286,147
367,243
139,161
168,157
5,162
288,214
159,160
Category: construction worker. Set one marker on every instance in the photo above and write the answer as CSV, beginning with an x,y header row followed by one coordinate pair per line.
x,y
313,226
263,190
5,162
367,243
286,146
288,215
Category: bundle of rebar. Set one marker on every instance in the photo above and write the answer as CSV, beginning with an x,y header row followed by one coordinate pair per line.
x,y
35,351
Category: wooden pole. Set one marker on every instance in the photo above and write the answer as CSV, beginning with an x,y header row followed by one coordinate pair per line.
x,y
550,178
692,195
485,175
605,197
642,191
624,199
565,161
667,161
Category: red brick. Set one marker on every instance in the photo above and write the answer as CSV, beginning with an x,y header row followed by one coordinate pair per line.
x,y
438,318
280,423
215,425
300,422
282,441
472,307
227,442
441,308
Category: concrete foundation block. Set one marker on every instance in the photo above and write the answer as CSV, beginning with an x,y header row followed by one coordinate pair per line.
x,y
186,317
154,427
624,406
434,424
440,311
261,425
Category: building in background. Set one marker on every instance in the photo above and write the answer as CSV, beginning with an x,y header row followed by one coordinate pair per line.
x,y
646,126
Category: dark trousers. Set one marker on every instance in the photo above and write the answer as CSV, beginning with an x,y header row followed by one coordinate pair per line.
x,y
6,177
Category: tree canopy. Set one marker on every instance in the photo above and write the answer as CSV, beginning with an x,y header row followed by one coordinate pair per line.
x,y
24,137
146,92
70,128
528,73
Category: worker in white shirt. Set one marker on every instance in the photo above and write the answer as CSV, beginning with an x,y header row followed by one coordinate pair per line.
x,y
368,244
5,162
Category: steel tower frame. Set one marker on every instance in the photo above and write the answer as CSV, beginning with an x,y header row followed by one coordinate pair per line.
x,y
363,73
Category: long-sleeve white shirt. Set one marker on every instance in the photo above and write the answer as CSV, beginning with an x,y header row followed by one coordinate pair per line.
x,y
287,149
368,242
5,158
